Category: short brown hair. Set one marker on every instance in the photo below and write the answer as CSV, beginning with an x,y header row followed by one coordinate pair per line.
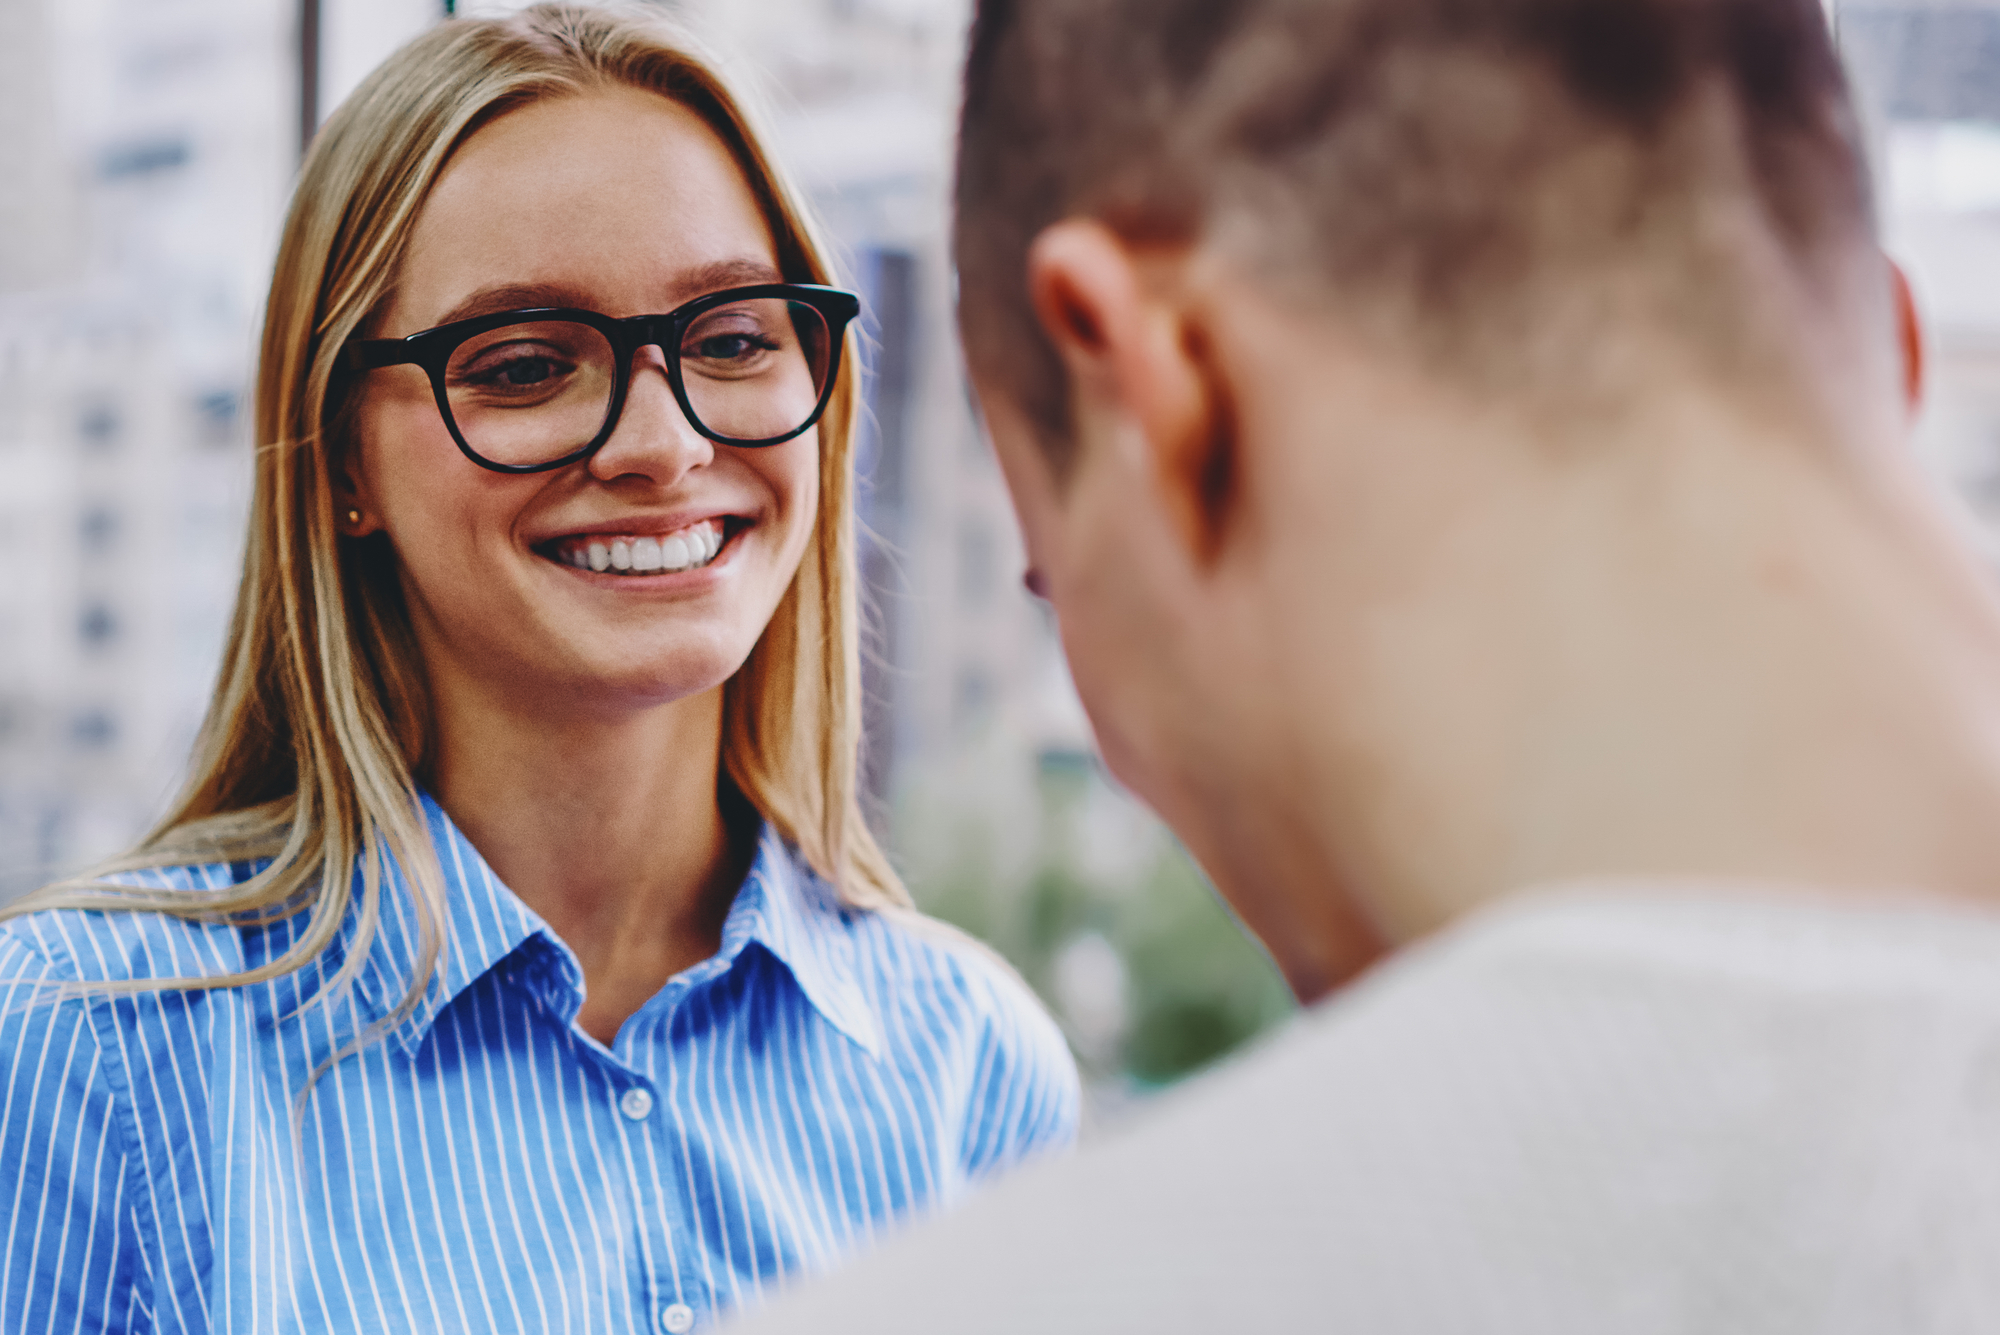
x,y
1428,158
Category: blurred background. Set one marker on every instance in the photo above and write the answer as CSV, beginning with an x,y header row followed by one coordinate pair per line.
x,y
147,148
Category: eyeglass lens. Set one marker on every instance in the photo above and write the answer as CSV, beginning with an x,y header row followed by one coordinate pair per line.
x,y
534,392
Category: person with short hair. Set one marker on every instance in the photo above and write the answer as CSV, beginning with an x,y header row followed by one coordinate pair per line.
x,y
1465,442
516,958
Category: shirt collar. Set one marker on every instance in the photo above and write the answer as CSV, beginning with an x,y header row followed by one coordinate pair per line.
x,y
788,910
782,906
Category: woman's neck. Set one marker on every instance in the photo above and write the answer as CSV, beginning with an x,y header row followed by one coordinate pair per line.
x,y
609,827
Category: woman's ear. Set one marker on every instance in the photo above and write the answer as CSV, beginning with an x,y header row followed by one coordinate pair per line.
x,y
1132,340
354,513
353,521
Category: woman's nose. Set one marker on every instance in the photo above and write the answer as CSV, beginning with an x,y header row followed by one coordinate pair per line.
x,y
653,438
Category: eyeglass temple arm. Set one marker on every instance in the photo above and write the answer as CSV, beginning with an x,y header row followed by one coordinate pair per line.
x,y
368,354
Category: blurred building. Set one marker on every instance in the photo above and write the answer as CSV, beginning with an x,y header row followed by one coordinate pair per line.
x,y
145,151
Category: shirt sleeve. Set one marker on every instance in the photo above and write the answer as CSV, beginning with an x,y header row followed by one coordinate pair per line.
x,y
1026,1097
68,1249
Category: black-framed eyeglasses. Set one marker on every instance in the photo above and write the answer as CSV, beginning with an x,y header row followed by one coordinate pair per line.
x,y
526,391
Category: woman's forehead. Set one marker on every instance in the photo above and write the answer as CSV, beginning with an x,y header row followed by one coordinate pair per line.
x,y
628,201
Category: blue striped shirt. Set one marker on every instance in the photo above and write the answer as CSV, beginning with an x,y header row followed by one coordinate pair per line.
x,y
489,1166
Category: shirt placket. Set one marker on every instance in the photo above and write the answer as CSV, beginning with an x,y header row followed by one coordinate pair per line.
x,y
629,1117
677,1287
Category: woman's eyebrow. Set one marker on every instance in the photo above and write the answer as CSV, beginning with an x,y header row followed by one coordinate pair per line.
x,y
687,285
742,272
514,297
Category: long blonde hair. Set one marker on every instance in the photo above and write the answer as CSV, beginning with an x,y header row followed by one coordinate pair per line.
x,y
319,733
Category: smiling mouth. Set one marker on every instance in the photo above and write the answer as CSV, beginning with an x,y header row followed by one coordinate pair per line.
x,y
688,548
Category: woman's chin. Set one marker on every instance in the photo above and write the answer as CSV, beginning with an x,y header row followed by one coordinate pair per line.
x,y
647,682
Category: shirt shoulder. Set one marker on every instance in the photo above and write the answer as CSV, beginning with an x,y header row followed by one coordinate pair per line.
x,y
909,957
910,964
91,946
915,949
937,987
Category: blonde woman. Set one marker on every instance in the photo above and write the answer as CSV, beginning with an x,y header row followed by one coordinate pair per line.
x,y
516,958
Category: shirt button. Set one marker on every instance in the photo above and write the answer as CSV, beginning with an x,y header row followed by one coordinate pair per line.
x,y
677,1319
636,1103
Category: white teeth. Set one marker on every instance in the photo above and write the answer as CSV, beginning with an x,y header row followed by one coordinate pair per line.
x,y
694,546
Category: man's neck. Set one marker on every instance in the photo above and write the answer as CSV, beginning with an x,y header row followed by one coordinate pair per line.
x,y
1705,648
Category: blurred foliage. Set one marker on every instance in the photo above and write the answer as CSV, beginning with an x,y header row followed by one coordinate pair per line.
x,y
1197,985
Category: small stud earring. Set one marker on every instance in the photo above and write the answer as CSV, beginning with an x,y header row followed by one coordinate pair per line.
x,y
354,516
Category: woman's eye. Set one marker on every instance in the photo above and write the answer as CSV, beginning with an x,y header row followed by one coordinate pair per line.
x,y
730,347
527,371
519,372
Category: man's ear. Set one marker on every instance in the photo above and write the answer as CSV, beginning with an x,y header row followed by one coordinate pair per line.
x,y
1134,345
1910,336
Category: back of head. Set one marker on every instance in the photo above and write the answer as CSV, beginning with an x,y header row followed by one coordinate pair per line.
x,y
1487,183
